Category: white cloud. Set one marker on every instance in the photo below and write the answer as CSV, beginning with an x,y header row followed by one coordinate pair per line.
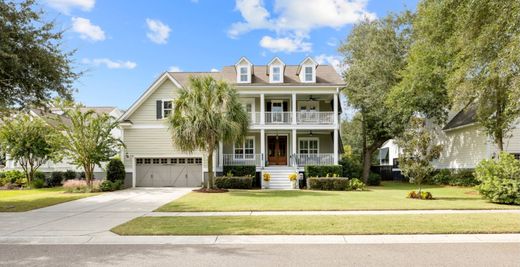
x,y
334,61
214,70
296,19
174,69
111,64
87,30
66,6
332,42
285,44
159,32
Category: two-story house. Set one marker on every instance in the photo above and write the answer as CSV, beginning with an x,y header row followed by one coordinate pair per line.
x,y
294,122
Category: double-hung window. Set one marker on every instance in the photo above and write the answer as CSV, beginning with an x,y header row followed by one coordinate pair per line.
x,y
277,77
167,108
308,146
244,76
245,149
308,74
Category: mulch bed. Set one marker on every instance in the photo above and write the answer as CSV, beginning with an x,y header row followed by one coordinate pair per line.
x,y
214,190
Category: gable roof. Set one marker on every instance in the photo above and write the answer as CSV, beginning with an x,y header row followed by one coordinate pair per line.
x,y
467,116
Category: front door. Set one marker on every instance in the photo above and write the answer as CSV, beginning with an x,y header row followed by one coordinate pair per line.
x,y
277,150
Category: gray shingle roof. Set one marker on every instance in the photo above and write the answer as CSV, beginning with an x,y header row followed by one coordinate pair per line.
x,y
466,116
325,75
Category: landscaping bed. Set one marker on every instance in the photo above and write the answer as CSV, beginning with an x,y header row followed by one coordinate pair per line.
x,y
323,225
389,196
28,199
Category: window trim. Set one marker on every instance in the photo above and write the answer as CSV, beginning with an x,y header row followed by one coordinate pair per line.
x,y
271,72
251,101
163,109
248,73
305,68
243,148
309,139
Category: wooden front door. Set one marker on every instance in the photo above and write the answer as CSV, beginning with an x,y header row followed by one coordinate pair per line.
x,y
277,150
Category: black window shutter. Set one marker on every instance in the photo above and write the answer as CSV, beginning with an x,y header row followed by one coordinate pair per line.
x,y
285,106
268,106
159,109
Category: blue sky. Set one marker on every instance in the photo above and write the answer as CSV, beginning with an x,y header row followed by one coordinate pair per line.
x,y
122,46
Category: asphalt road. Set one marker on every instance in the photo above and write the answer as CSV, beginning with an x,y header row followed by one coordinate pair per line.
x,y
490,254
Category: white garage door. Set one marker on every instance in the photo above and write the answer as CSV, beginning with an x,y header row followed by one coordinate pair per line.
x,y
173,172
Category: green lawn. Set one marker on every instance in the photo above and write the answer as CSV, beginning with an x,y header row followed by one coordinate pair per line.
x,y
389,196
323,225
24,200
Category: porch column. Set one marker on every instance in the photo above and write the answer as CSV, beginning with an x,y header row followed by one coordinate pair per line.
x,y
293,104
336,144
335,109
262,109
220,154
293,139
262,148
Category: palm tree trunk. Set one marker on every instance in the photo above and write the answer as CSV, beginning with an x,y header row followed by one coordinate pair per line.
x,y
209,183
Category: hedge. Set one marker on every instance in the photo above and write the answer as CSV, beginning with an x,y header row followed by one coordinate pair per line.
x,y
115,170
238,171
234,182
336,184
455,177
323,171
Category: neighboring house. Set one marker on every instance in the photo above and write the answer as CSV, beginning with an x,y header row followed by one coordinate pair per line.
x,y
464,142
49,117
294,121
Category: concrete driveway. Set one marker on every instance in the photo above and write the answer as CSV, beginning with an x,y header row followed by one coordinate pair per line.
x,y
88,216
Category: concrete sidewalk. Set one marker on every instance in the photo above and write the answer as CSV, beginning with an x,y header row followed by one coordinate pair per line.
x,y
338,212
88,216
265,239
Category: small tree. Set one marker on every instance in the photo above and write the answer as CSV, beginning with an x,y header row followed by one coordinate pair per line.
x,y
115,170
206,113
87,138
29,141
418,150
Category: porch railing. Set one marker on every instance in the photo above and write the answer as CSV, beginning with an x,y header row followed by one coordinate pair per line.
x,y
240,160
314,159
311,117
278,117
254,118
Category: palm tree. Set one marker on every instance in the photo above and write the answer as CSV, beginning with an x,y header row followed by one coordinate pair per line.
x,y
206,113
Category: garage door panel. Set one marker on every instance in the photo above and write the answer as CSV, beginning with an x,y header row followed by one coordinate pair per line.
x,y
176,172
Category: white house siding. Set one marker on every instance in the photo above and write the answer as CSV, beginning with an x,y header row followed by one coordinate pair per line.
x,y
463,148
145,114
393,151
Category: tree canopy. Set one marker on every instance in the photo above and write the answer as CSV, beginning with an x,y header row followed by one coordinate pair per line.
x,y
33,66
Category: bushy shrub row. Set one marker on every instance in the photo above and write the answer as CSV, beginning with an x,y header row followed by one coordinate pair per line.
x,y
234,182
323,171
374,179
12,178
351,167
80,186
455,177
500,179
108,185
336,184
240,171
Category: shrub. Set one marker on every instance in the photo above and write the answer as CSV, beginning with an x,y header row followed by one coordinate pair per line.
x,y
240,171
441,177
374,179
38,183
117,185
82,175
106,186
80,186
115,170
337,184
323,171
421,195
500,179
356,184
13,177
464,177
351,167
234,182
40,176
56,179
69,174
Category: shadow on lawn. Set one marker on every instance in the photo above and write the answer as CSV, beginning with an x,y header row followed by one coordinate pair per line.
x,y
279,194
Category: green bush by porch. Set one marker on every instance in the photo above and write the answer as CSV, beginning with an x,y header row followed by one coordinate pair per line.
x,y
245,170
323,171
234,182
389,196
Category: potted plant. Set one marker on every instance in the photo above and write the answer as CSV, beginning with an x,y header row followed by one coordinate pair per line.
x,y
266,177
293,177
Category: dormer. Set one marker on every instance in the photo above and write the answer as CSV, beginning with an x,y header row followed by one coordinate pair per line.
x,y
244,69
307,70
275,70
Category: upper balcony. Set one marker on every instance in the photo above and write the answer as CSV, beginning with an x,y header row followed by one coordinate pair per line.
x,y
302,118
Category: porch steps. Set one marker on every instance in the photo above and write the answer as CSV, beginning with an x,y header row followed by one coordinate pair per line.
x,y
279,177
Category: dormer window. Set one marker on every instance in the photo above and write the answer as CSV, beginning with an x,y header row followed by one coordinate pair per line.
x,y
276,74
308,74
244,77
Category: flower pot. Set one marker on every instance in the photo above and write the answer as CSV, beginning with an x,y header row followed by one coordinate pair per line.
x,y
265,185
293,183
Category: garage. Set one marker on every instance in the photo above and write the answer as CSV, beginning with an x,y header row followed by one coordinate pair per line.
x,y
171,172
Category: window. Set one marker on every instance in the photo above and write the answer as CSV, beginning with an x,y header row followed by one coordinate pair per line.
x,y
173,161
308,146
245,149
181,161
198,161
244,77
164,161
167,108
155,161
147,161
276,74
516,155
139,161
308,74
191,160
